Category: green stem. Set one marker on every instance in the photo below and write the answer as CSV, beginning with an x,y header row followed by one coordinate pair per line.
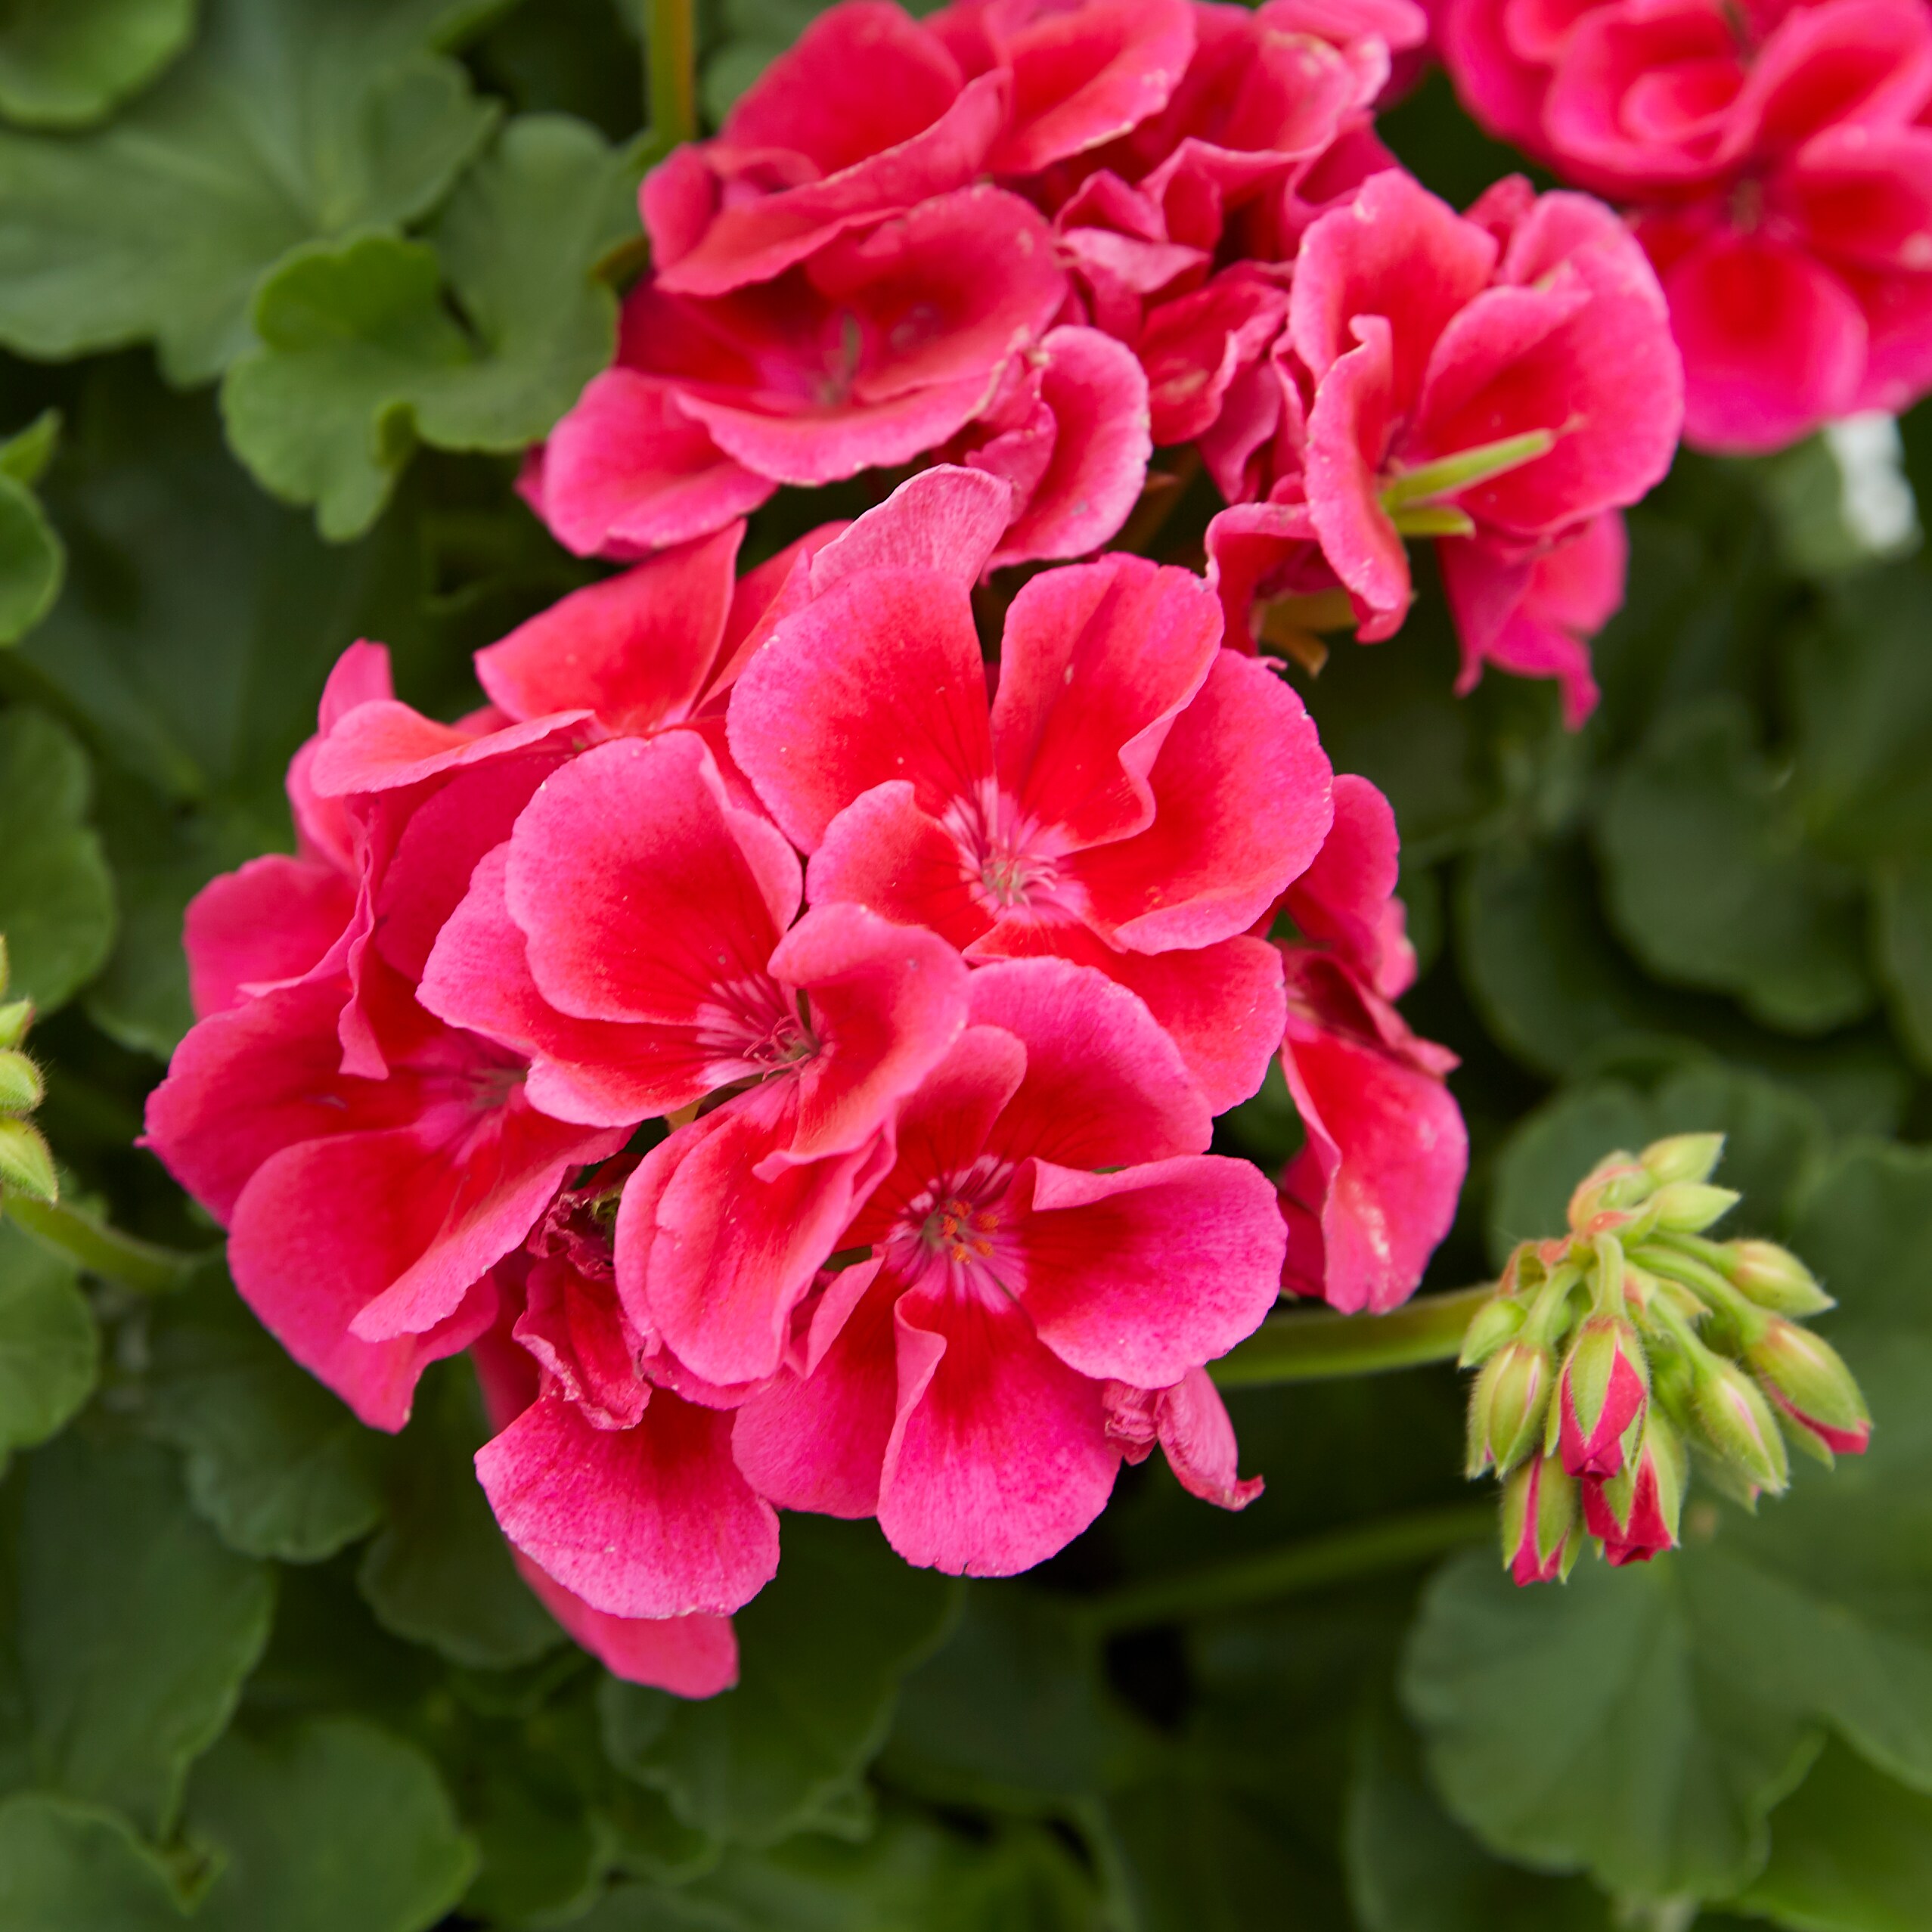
x,y
1314,1347
1339,1556
670,70
105,1251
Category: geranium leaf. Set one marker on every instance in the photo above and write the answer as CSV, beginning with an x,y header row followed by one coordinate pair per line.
x,y
438,1571
1903,896
1643,1722
65,63
272,1460
360,355
57,900
288,120
50,1349
133,1626
1710,881
32,560
66,1867
815,1693
1851,1851
327,1824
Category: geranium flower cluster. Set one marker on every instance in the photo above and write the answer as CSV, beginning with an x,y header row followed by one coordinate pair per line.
x,y
1039,240
934,980
1777,158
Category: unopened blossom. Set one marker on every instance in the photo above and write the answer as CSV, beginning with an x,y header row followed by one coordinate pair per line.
x,y
1051,1238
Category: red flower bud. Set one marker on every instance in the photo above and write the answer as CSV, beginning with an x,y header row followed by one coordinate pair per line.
x,y
1606,1382
1635,1513
1539,1522
1808,1380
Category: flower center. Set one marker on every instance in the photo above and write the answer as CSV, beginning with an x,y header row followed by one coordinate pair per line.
x,y
1008,860
754,1029
959,1229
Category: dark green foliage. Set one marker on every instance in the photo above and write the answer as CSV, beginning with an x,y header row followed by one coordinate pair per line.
x,y
285,286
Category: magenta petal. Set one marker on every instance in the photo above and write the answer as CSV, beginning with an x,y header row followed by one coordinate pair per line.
x,y
1191,1422
1343,900
273,919
628,471
641,891
1097,395
1348,433
637,650
946,519
879,679
884,852
999,1455
651,1521
1241,787
1097,661
1104,1086
1141,1275
886,1001
690,1657
817,1441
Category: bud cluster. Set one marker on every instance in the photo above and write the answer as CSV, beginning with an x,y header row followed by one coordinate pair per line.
x,y
26,1166
1613,1358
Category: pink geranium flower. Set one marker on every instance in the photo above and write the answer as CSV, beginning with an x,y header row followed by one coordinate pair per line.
x,y
371,1163
630,938
972,1382
1375,1186
1780,162
1132,791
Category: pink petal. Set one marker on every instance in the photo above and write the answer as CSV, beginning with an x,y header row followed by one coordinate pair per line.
x,y
637,650
883,851
1097,661
627,471
1343,900
945,520
879,679
602,1073
886,1002
1242,788
817,1441
690,1657
323,831
1248,546
1191,1423
1193,348
1105,1087
1141,1275
385,746
1773,343
639,888
587,1346
651,1522
999,1455
275,919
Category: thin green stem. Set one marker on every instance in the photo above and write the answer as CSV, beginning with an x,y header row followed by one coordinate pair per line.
x,y
1315,1347
105,1251
670,61
1339,1556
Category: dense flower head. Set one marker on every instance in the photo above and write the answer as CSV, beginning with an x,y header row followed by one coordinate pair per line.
x,y
1777,159
1041,239
783,1048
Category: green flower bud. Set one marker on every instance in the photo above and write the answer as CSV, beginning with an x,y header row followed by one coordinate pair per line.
x,y
26,1164
21,1087
1617,1181
1682,1157
1498,1320
1774,1278
16,1016
1689,1207
1737,1426
1507,1406
1806,1378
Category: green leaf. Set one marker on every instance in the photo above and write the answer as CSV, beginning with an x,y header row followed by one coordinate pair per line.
x,y
816,1688
540,1852
1710,881
1411,1869
71,1867
290,120
57,901
50,1349
323,1825
32,561
133,1627
65,63
438,1571
1851,1851
1902,893
1774,1137
277,1463
1643,1722
361,356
